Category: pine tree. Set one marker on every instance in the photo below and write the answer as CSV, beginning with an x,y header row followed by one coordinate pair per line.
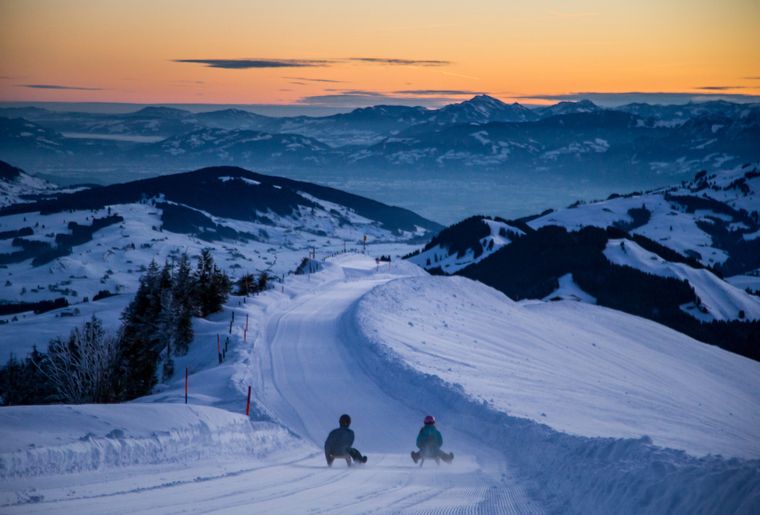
x,y
263,281
246,285
166,330
182,291
21,381
212,285
140,345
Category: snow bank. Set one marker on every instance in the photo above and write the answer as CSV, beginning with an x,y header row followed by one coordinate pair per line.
x,y
42,440
607,383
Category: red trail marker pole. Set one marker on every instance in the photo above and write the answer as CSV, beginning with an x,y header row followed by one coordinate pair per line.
x,y
185,385
248,403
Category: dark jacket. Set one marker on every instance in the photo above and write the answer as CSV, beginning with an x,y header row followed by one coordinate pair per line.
x,y
339,441
429,438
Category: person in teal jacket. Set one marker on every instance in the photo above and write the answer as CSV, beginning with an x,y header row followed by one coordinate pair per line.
x,y
429,443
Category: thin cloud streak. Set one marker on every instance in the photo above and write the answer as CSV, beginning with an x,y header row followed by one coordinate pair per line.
x,y
359,98
608,99
720,88
315,80
399,62
57,87
249,63
425,92
242,64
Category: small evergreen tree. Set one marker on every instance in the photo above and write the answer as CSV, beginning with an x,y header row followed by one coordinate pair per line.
x,y
140,344
212,285
21,381
246,285
263,282
182,291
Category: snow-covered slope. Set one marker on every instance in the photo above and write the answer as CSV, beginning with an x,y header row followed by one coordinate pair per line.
x,y
75,439
707,218
714,219
479,359
390,345
15,183
252,223
581,106
719,300
449,253
578,368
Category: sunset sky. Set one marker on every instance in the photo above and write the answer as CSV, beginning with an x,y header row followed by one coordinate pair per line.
x,y
351,53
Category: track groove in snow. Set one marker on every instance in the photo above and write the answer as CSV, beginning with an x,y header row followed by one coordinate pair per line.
x,y
310,373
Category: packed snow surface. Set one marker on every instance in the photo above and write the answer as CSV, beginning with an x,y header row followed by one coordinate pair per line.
x,y
388,345
579,368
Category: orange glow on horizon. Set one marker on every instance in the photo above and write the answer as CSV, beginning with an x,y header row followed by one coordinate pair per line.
x,y
109,51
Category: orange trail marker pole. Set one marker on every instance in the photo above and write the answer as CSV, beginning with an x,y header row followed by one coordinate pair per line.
x,y
248,403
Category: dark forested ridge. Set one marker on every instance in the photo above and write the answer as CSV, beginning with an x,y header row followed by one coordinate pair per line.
x,y
530,267
228,192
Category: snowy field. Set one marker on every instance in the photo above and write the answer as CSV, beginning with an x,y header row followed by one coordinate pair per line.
x,y
544,404
578,368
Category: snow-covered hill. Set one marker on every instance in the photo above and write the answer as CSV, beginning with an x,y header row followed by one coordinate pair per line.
x,y
579,368
661,254
718,299
549,407
15,184
714,218
74,245
581,106
449,252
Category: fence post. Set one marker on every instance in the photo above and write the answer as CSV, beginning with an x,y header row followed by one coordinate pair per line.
x,y
245,330
219,348
248,403
185,385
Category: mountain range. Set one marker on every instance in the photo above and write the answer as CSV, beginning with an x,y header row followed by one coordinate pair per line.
x,y
577,139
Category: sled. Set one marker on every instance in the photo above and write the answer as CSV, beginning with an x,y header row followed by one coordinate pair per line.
x,y
423,455
333,457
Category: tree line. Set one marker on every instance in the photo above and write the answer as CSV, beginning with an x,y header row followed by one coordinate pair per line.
x,y
95,365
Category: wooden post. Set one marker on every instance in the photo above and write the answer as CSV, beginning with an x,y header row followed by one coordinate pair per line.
x,y
219,348
185,385
248,403
245,330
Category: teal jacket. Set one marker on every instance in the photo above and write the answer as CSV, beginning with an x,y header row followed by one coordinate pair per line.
x,y
429,438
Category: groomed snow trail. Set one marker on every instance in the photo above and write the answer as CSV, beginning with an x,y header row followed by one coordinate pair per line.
x,y
309,374
307,370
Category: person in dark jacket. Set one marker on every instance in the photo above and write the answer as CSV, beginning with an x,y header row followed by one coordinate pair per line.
x,y
429,443
339,444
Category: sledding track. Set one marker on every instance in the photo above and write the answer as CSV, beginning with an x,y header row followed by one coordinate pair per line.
x,y
307,371
310,374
